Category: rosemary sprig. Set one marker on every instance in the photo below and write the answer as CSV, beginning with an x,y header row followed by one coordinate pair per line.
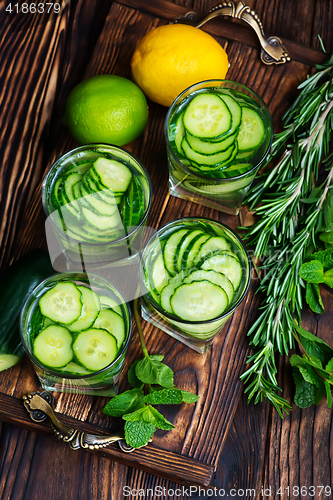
x,y
291,211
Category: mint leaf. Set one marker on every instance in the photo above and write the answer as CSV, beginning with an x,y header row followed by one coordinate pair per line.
x,y
131,376
320,393
170,396
327,237
306,369
152,416
329,366
309,336
312,272
313,298
125,402
314,346
156,357
328,278
138,433
305,392
152,371
328,393
135,415
325,257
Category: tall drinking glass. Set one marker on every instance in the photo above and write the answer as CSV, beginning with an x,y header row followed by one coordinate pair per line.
x,y
195,272
216,173
77,376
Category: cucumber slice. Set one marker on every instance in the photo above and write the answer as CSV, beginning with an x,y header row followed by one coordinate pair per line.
x,y
95,348
56,197
112,174
214,244
108,302
169,289
226,264
112,322
179,133
214,277
8,360
90,310
53,346
235,110
75,369
251,131
62,303
185,247
199,301
170,250
195,249
159,276
207,116
133,204
102,222
95,203
210,148
236,169
212,160
77,189
69,183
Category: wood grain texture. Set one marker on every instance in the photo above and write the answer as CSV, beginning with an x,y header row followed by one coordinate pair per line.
x,y
250,446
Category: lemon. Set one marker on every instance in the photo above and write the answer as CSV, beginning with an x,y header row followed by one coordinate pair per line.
x,y
173,57
106,108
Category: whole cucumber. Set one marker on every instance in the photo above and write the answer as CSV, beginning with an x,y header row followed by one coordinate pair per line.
x,y
16,283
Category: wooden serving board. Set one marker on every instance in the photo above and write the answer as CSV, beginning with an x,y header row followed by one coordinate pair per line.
x,y
58,54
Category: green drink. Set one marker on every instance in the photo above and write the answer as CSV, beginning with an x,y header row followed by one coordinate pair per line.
x,y
97,199
76,331
217,134
195,273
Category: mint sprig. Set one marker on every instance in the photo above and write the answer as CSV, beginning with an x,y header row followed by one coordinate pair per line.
x,y
152,384
313,371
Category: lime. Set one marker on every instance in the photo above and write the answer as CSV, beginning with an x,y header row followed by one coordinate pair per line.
x,y
107,109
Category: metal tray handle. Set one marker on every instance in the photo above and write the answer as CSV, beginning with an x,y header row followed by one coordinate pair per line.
x,y
272,49
39,406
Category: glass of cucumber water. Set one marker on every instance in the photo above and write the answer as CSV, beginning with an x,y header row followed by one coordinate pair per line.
x,y
217,133
195,272
96,198
75,328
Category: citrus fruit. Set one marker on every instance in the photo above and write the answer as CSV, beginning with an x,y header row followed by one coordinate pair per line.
x,y
173,57
106,108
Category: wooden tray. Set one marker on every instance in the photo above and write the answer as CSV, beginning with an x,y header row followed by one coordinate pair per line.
x,y
189,453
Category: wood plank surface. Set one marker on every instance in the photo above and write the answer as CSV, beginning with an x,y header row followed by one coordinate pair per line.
x,y
249,445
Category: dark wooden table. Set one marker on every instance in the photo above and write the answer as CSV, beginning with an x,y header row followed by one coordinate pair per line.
x,y
245,450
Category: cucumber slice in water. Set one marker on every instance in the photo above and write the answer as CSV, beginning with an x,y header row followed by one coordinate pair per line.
x,y
170,250
90,310
199,301
227,264
53,346
112,174
214,244
62,303
95,348
251,131
113,323
214,277
207,116
213,160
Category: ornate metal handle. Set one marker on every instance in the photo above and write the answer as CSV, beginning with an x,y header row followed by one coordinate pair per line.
x,y
39,406
272,51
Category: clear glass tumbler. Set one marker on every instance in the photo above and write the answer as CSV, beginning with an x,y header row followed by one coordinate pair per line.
x,y
222,186
74,378
87,222
197,250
